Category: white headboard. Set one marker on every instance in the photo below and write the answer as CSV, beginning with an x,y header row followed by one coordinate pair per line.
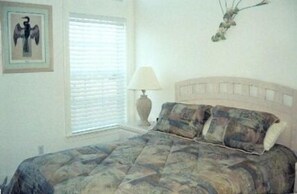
x,y
245,93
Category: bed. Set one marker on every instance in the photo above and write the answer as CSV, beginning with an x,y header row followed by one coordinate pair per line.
x,y
217,137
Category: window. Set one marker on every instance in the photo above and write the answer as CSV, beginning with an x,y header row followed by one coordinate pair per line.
x,y
97,72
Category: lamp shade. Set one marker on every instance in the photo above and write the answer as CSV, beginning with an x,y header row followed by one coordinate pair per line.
x,y
144,79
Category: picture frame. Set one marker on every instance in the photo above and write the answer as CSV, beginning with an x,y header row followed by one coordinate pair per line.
x,y
26,37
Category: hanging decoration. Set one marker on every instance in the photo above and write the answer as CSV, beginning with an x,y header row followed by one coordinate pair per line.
x,y
229,14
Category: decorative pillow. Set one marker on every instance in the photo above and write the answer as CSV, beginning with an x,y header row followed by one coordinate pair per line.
x,y
162,121
273,133
184,119
216,131
166,109
239,128
244,137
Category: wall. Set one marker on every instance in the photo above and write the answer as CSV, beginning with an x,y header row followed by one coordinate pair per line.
x,y
174,37
32,105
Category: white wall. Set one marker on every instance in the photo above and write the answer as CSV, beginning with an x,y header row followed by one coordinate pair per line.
x,y
32,105
174,36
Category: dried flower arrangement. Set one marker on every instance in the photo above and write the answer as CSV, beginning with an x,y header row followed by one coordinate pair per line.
x,y
228,17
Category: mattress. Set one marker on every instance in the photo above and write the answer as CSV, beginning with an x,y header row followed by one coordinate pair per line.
x,y
156,162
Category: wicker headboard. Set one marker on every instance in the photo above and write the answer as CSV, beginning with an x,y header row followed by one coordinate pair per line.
x,y
245,93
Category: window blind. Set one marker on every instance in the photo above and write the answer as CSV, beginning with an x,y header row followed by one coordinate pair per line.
x,y
97,72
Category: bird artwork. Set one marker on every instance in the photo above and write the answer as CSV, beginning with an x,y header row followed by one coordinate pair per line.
x,y
228,17
26,33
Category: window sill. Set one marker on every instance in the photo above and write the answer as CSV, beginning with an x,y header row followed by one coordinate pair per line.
x,y
101,131
134,127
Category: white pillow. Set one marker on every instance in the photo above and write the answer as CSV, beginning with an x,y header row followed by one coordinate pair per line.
x,y
273,133
295,185
206,126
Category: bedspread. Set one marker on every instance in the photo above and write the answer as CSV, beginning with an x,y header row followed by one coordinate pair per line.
x,y
156,163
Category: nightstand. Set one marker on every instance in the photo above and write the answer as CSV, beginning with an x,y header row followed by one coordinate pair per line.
x,y
133,129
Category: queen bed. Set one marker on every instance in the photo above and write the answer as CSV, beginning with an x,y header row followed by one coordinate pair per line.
x,y
217,137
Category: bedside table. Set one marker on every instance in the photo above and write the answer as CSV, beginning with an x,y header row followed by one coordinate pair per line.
x,y
133,129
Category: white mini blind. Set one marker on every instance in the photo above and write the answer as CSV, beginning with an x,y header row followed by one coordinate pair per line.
x,y
97,72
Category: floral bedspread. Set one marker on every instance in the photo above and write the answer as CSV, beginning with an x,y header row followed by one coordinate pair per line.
x,y
156,163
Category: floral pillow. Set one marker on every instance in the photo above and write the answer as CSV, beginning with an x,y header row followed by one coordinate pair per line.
x,y
239,128
184,119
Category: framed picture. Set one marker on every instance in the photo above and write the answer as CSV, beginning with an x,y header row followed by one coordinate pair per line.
x,y
26,37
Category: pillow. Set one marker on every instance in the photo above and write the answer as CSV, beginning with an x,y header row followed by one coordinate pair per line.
x,y
206,126
239,128
184,119
216,130
166,109
295,184
162,121
273,133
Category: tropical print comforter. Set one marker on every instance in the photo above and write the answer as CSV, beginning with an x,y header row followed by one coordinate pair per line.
x,y
156,163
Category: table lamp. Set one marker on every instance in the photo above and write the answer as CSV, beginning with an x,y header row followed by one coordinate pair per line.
x,y
144,79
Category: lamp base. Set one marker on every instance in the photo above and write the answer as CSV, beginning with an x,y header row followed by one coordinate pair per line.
x,y
144,106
